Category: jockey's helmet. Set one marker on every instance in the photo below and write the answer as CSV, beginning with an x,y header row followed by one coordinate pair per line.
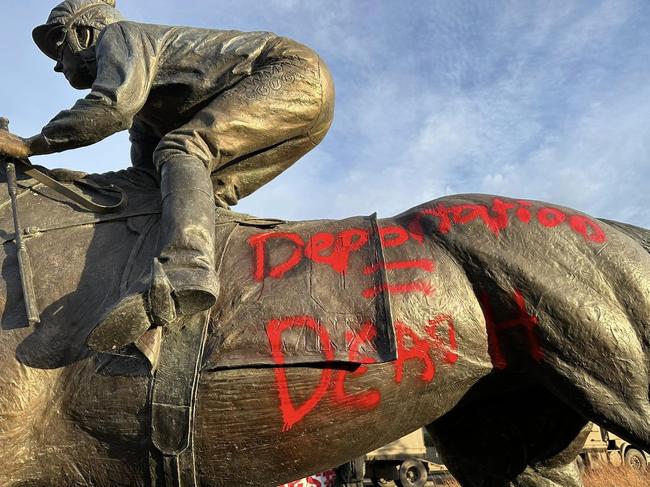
x,y
63,24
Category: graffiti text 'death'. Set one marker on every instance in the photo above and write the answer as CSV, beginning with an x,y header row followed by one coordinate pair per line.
x,y
438,345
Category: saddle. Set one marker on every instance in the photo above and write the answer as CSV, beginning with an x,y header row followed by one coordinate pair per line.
x,y
293,293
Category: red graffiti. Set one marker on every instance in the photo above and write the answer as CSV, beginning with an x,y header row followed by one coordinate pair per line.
x,y
523,319
423,287
258,242
588,228
495,221
523,212
365,400
550,217
497,218
325,248
427,265
290,413
411,346
417,349
451,350
335,249
398,236
415,228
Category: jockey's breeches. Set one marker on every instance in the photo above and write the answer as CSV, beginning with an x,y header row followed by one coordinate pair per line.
x,y
250,133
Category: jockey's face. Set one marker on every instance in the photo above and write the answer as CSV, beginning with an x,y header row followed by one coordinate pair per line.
x,y
74,69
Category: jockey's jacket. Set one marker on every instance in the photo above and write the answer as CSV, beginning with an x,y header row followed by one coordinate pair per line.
x,y
156,78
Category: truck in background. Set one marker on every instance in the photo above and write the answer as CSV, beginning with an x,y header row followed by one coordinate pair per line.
x,y
603,446
413,459
409,462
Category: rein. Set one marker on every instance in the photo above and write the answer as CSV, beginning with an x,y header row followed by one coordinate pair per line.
x,y
72,195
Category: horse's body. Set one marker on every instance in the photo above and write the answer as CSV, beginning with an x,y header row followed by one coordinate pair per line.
x,y
516,323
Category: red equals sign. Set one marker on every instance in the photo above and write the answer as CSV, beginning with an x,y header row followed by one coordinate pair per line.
x,y
423,287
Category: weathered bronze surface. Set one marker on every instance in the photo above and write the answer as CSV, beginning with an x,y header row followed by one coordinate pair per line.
x,y
502,325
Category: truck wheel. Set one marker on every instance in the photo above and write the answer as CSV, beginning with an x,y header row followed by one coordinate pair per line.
x,y
412,473
379,482
635,459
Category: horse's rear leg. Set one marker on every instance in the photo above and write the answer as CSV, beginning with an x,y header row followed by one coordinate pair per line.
x,y
505,436
561,469
601,370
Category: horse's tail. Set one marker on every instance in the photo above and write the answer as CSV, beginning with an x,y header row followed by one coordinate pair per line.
x,y
639,234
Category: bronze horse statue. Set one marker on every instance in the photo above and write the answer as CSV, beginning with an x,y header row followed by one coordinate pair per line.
x,y
503,326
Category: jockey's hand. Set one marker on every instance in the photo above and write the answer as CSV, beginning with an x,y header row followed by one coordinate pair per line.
x,y
13,146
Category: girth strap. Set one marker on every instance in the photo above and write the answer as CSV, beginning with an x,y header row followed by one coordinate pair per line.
x,y
173,400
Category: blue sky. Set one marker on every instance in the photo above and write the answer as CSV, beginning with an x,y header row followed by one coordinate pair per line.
x,y
545,100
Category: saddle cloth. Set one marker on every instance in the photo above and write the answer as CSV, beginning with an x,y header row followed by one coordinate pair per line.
x,y
300,292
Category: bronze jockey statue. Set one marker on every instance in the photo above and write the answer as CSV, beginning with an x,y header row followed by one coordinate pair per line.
x,y
217,113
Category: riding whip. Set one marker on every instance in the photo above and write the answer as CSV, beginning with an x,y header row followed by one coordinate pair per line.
x,y
24,264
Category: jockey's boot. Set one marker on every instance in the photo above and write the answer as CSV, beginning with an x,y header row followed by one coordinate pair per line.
x,y
183,278
187,234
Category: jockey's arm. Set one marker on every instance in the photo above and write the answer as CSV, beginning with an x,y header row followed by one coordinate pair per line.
x,y
124,75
